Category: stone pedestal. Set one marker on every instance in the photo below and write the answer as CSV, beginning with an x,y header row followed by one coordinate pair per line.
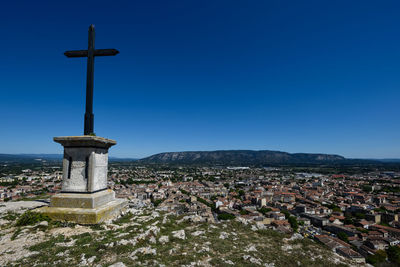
x,y
84,197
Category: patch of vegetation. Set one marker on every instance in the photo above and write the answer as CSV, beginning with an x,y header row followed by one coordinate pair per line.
x,y
10,216
264,210
293,223
124,219
393,253
30,218
130,181
16,233
44,246
343,236
83,239
216,244
225,216
96,227
378,258
156,202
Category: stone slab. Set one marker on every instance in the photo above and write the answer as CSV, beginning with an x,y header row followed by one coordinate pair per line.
x,y
79,200
20,206
86,216
85,141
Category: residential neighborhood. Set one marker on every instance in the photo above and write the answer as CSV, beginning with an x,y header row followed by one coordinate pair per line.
x,y
354,214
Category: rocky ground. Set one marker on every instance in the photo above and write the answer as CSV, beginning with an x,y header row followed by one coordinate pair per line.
x,y
145,236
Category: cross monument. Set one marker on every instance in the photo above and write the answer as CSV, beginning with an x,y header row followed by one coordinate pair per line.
x,y
90,53
85,197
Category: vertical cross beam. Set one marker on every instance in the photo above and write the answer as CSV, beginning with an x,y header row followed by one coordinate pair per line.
x,y
90,53
89,117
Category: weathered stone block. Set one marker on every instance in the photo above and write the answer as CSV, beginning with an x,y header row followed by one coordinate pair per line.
x,y
85,163
84,197
85,216
79,200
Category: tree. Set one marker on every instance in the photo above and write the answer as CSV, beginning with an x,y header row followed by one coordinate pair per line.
x,y
360,215
343,236
348,220
336,209
287,214
225,216
393,253
367,188
293,223
244,212
264,210
378,257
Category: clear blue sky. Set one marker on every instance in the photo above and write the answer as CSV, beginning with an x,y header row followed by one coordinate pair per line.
x,y
296,76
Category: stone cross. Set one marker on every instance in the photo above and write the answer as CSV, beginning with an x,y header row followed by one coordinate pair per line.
x,y
84,196
90,53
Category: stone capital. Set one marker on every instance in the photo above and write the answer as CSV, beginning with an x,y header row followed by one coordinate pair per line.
x,y
85,141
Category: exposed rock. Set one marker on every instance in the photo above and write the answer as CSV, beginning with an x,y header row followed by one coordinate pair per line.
x,y
91,259
197,233
163,239
118,264
19,206
179,234
261,226
295,236
145,251
242,220
127,242
44,223
250,248
252,259
223,235
229,262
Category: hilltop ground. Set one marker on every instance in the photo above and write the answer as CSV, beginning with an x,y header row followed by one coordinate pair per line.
x,y
146,236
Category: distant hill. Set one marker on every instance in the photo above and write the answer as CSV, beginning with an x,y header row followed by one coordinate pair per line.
x,y
247,157
28,158
388,160
219,157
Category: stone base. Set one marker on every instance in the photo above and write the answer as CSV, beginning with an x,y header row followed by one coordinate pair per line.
x,y
84,208
80,200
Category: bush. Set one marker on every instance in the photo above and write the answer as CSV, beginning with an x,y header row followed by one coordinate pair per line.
x,y
244,212
157,202
29,218
293,223
360,215
343,236
393,253
378,257
264,210
226,216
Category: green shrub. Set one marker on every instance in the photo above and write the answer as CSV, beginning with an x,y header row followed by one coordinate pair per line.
x,y
264,210
10,216
293,223
29,218
225,216
393,253
156,202
379,257
244,212
16,233
343,236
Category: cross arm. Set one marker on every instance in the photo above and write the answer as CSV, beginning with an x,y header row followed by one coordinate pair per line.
x,y
97,52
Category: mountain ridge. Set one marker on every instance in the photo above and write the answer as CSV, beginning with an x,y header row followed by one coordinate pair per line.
x,y
251,157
